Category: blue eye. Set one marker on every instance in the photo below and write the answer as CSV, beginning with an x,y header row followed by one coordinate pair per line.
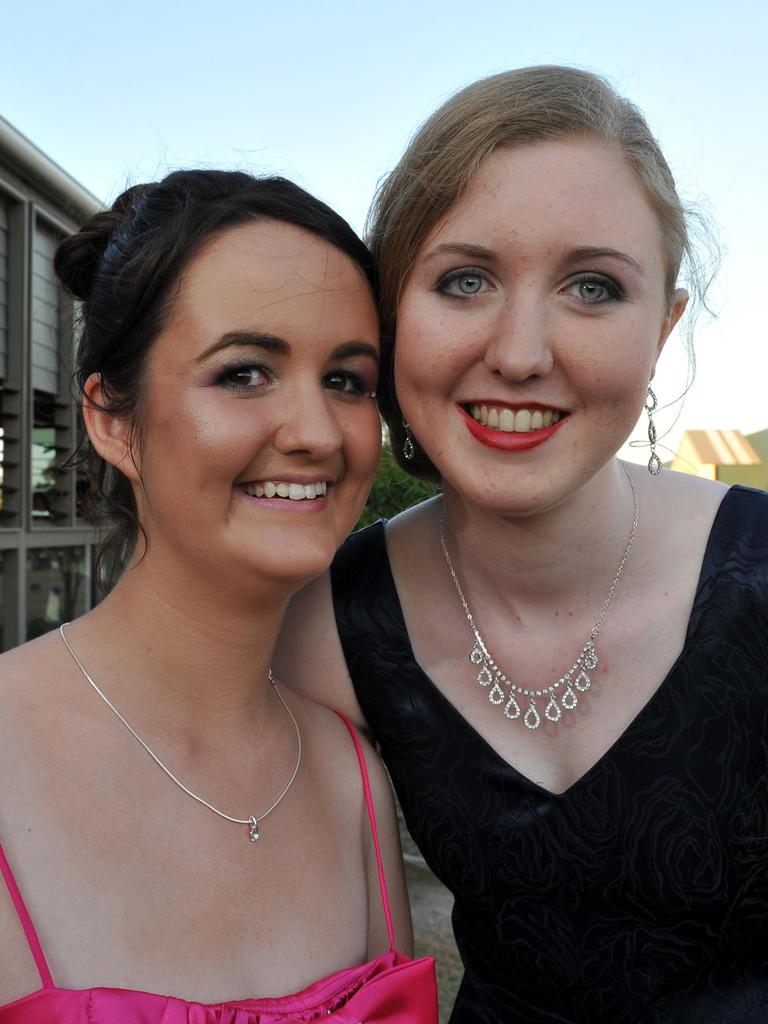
x,y
245,377
595,290
463,283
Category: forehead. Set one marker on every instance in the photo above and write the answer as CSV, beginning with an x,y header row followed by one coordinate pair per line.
x,y
274,277
269,258
550,196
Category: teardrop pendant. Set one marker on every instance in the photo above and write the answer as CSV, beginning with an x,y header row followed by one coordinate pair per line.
x,y
552,711
496,695
569,700
532,718
590,659
476,654
512,710
582,681
484,676
654,465
408,449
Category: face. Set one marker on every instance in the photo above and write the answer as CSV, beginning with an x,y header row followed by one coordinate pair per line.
x,y
530,325
259,435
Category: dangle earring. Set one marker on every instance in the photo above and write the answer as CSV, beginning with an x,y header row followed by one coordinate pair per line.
x,y
654,463
408,447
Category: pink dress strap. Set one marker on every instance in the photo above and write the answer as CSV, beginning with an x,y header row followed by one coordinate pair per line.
x,y
26,922
374,830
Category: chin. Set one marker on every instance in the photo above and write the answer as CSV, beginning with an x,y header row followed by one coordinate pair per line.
x,y
296,568
518,495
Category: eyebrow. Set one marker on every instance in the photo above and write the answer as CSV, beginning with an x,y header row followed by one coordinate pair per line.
x,y
279,346
592,252
584,252
478,252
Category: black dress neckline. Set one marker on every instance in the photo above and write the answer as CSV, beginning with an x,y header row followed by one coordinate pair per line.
x,y
639,896
626,733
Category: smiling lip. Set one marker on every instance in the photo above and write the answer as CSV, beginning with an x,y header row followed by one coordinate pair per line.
x,y
510,441
286,505
293,494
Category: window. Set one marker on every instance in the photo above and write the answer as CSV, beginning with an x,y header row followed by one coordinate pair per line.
x,y
9,417
3,289
45,546
49,487
3,602
58,585
51,415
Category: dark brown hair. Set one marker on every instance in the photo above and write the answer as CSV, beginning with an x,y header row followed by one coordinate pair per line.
x,y
124,264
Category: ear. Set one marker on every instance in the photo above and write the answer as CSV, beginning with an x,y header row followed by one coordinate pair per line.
x,y
676,310
110,434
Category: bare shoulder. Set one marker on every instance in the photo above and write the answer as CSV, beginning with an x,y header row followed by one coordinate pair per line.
x,y
335,762
333,754
407,535
27,673
408,526
683,505
309,657
695,489
387,828
27,685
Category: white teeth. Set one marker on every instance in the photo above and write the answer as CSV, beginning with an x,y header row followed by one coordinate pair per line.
x,y
522,421
507,420
294,492
519,422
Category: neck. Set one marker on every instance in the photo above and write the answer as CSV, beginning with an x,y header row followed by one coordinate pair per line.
x,y
554,557
195,653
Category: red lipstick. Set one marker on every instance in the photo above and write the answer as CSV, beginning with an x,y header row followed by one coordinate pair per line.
x,y
509,441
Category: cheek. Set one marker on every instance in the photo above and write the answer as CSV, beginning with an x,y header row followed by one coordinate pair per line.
x,y
364,446
612,361
431,349
191,438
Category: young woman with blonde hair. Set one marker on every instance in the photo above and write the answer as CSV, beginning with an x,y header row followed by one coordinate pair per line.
x,y
563,657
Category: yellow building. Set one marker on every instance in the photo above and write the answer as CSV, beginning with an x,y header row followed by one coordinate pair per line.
x,y
726,455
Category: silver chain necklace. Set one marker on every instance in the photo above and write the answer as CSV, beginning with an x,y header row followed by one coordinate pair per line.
x,y
253,821
577,678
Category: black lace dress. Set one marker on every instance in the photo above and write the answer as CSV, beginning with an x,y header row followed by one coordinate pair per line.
x,y
641,893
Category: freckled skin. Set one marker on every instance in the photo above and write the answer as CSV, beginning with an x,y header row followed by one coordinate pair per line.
x,y
529,335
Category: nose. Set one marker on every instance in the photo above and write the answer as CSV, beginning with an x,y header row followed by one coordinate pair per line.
x,y
310,424
520,345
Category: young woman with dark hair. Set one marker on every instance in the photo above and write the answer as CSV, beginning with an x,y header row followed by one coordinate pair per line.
x,y
192,841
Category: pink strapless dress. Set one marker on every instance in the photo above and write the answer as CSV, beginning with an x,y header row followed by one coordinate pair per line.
x,y
392,989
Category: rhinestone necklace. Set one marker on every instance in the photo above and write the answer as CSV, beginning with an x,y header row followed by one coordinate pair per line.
x,y
253,821
577,678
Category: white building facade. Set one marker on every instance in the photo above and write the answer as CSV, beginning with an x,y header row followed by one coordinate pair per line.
x,y
46,549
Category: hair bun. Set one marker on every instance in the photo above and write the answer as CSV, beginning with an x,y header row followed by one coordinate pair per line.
x,y
78,256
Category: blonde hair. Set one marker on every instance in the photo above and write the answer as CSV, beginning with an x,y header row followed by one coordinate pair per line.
x,y
516,107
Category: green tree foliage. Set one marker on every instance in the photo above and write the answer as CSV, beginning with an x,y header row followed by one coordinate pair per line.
x,y
393,490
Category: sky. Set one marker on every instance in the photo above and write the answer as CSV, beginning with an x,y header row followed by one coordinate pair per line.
x,y
329,93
